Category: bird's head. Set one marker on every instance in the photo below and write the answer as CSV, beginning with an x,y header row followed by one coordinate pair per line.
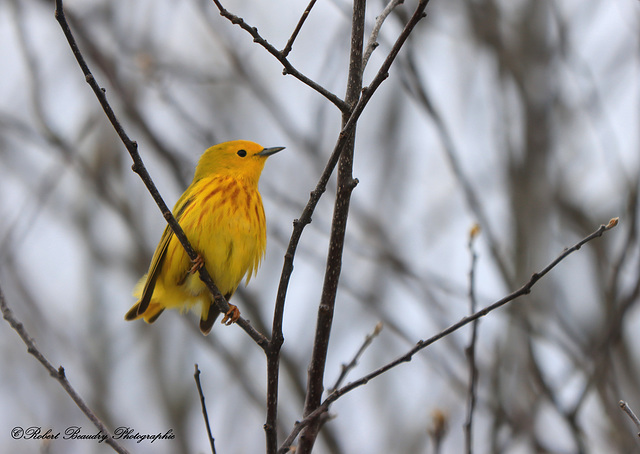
x,y
240,159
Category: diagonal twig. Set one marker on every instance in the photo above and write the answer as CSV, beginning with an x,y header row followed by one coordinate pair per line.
x,y
205,414
281,57
627,409
346,368
420,345
139,168
372,43
57,374
294,35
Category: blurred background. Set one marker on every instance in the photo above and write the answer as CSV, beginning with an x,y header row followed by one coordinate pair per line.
x,y
521,116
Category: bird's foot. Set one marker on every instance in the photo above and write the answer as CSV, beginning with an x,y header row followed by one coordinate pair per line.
x,y
232,315
197,264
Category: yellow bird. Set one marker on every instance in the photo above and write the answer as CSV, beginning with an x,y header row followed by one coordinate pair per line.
x,y
222,215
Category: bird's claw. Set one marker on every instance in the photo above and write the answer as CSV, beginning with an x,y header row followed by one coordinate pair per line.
x,y
232,315
197,264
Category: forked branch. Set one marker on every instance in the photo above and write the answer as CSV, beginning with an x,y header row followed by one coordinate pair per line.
x,y
421,345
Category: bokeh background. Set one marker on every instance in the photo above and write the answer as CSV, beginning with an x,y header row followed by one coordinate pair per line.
x,y
519,115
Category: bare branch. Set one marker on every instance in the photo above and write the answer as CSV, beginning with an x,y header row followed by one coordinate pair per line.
x,y
281,57
294,35
627,409
438,429
346,184
57,374
346,368
470,351
305,218
205,414
139,168
372,44
420,345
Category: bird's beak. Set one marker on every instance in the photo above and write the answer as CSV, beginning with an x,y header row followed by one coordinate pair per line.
x,y
269,151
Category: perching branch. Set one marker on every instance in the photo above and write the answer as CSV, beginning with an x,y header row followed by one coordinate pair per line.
x,y
57,374
139,168
524,290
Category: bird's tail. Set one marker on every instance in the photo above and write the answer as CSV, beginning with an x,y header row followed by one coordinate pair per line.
x,y
208,317
150,315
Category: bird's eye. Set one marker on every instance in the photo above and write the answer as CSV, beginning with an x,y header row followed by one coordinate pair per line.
x,y
242,153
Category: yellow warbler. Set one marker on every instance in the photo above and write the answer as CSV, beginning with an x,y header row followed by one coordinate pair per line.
x,y
222,215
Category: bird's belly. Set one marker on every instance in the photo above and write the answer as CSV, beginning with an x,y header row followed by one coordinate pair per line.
x,y
230,249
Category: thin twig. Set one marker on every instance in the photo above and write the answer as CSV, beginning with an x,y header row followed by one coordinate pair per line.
x,y
439,428
288,67
524,290
205,414
139,168
627,409
471,349
294,35
346,368
372,44
57,374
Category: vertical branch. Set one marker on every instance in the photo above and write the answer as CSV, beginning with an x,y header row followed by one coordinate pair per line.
x,y
470,351
273,348
305,219
438,429
205,414
346,184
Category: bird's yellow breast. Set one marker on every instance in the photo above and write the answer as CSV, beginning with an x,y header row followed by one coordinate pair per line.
x,y
224,220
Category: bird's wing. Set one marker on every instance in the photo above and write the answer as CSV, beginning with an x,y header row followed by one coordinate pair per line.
x,y
154,270
159,255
